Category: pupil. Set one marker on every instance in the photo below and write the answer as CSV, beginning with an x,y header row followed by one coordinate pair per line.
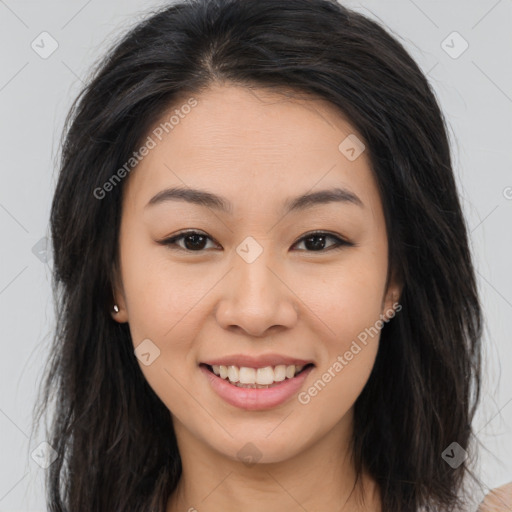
x,y
194,244
320,244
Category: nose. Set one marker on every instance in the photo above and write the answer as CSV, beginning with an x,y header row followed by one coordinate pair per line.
x,y
256,297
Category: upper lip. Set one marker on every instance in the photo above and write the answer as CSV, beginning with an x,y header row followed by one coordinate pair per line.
x,y
256,362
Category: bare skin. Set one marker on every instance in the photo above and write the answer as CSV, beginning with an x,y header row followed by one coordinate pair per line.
x,y
257,149
498,500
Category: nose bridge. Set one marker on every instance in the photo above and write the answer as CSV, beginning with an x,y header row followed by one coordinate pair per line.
x,y
254,280
256,298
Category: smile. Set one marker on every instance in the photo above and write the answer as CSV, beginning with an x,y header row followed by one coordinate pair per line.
x,y
258,378
241,386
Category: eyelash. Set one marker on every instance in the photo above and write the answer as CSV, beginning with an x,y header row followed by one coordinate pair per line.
x,y
340,242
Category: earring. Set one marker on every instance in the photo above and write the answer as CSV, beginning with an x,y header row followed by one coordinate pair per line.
x,y
116,308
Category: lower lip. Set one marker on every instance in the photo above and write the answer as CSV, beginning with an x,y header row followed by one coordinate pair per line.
x,y
254,399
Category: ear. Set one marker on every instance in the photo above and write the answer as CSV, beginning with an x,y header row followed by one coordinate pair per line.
x,y
118,298
391,300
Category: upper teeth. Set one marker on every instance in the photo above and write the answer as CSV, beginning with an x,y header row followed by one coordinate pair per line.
x,y
266,375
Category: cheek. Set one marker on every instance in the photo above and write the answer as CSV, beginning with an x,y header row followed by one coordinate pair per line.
x,y
159,294
166,305
350,308
349,305
163,304
349,296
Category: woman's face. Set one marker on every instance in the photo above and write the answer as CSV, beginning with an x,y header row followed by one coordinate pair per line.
x,y
253,288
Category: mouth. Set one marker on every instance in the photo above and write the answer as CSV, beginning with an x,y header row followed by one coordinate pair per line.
x,y
257,378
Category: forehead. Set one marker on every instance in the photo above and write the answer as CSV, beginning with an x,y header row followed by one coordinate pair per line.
x,y
266,143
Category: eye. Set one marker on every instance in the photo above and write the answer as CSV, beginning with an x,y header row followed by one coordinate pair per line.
x,y
195,241
316,241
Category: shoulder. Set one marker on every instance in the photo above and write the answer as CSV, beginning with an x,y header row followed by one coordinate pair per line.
x,y
498,500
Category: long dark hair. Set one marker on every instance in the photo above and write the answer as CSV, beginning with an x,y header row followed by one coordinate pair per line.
x,y
116,448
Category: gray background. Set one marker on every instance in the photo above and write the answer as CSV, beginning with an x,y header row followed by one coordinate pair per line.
x,y
475,93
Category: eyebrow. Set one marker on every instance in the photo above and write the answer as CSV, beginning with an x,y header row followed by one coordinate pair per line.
x,y
210,200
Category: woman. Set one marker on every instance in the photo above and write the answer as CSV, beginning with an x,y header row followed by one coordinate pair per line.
x,y
266,294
